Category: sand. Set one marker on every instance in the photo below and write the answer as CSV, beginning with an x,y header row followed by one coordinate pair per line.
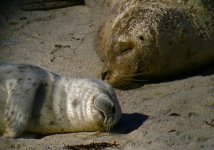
x,y
169,115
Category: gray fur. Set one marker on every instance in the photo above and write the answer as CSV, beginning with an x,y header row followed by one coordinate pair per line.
x,y
35,100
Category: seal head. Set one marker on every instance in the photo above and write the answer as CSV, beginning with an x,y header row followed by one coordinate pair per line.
x,y
143,40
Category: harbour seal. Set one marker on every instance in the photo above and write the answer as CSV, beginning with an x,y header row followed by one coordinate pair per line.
x,y
37,101
145,40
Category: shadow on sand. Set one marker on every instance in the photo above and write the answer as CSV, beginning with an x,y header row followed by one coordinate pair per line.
x,y
127,124
130,122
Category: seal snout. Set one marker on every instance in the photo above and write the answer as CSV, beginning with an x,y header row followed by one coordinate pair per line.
x,y
110,117
108,111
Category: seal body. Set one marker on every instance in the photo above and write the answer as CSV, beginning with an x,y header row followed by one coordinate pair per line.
x,y
35,100
155,39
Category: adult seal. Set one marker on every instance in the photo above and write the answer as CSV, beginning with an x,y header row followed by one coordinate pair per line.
x,y
145,40
35,100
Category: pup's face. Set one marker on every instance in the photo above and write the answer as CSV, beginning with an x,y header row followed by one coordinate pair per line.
x,y
109,111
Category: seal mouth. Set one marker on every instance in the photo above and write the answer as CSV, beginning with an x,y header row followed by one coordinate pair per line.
x,y
108,112
125,79
110,119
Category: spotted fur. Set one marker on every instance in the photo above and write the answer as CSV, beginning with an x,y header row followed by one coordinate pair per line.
x,y
35,100
145,40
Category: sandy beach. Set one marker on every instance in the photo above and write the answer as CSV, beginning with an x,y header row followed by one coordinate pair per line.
x,y
171,115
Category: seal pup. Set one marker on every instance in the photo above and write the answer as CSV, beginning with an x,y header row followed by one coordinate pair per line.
x,y
152,40
37,101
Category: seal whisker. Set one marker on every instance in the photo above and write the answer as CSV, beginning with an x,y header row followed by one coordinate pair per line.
x,y
137,39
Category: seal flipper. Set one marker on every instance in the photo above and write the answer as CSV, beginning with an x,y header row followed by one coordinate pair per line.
x,y
18,109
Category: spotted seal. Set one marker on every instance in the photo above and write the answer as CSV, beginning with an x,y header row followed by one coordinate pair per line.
x,y
35,100
145,40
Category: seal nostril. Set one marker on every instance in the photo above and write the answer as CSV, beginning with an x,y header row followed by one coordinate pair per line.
x,y
103,75
113,110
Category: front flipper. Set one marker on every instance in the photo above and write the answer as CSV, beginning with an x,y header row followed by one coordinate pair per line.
x,y
31,5
18,109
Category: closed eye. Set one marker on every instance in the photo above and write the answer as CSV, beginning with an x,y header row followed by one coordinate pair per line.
x,y
126,50
126,47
